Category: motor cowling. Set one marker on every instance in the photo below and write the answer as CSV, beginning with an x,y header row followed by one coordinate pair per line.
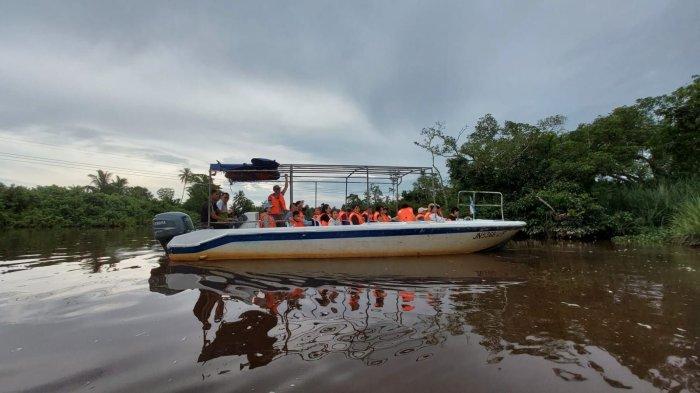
x,y
170,224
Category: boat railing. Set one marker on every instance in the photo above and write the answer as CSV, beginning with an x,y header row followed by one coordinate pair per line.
x,y
473,201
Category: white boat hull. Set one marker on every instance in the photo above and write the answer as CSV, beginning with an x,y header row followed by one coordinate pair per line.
x,y
368,240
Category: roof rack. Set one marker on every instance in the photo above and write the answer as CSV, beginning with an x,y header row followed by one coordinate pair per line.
x,y
324,173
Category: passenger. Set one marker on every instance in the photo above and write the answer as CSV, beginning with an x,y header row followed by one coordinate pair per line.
x,y
222,204
266,220
326,214
454,214
368,215
335,218
344,214
317,215
439,211
297,219
405,213
209,213
432,214
276,200
296,206
355,217
381,215
422,213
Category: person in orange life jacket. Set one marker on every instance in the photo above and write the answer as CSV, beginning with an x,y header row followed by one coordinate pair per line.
x,y
344,215
355,217
276,200
266,220
368,215
422,214
297,219
325,216
432,214
298,205
405,213
381,215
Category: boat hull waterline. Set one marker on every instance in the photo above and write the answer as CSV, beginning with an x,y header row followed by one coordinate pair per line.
x,y
368,240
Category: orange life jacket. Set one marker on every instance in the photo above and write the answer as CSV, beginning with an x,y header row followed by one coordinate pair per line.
x,y
269,220
343,216
381,217
354,217
406,214
277,203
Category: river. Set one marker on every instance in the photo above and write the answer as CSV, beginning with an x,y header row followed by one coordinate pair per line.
x,y
103,311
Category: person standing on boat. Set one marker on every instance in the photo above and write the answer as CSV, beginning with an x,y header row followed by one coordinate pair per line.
x,y
278,206
210,213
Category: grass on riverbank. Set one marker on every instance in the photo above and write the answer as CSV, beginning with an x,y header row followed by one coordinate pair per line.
x,y
683,228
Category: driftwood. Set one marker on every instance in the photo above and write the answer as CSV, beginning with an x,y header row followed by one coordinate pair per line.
x,y
557,216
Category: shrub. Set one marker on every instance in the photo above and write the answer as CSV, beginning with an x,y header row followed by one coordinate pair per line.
x,y
685,224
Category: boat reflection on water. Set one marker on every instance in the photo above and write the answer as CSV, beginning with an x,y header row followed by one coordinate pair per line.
x,y
368,310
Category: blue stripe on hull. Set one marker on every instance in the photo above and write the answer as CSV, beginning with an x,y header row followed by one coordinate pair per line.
x,y
301,235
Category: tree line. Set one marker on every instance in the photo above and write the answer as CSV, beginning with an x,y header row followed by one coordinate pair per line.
x,y
108,201
633,172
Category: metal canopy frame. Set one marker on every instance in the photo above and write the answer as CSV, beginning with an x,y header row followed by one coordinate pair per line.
x,y
322,173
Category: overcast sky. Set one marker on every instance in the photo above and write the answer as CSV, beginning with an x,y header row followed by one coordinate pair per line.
x,y
157,86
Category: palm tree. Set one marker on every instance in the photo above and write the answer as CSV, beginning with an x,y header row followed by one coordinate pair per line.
x,y
101,182
185,176
119,184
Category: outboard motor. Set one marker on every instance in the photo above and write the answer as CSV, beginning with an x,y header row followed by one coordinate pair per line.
x,y
170,224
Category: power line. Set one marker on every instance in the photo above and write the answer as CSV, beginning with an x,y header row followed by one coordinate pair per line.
x,y
54,146
56,161
85,167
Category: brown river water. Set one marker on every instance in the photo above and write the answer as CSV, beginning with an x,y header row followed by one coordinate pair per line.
x,y
103,311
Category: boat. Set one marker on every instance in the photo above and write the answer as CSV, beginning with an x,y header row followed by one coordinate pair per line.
x,y
392,239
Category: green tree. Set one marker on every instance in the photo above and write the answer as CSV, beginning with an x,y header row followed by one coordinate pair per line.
x,y
241,204
138,192
185,176
119,185
166,194
101,182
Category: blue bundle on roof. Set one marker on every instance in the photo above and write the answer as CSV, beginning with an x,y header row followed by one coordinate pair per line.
x,y
260,169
